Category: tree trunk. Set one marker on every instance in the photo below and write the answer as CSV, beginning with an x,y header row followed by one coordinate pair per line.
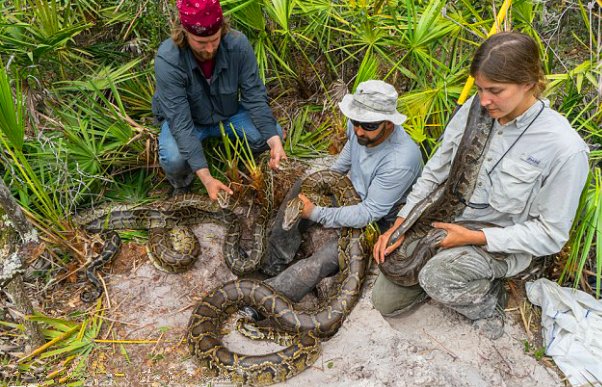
x,y
12,255
16,291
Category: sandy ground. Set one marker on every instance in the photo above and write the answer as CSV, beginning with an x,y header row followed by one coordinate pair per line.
x,y
430,346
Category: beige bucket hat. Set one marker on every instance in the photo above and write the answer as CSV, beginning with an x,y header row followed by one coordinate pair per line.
x,y
372,101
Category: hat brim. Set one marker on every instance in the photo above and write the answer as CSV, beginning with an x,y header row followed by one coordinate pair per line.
x,y
357,113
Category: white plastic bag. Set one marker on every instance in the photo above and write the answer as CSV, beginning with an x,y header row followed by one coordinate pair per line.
x,y
572,330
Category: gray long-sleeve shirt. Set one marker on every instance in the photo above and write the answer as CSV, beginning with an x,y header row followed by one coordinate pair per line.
x,y
532,193
381,175
184,97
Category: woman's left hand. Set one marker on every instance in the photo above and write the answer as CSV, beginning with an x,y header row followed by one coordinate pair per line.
x,y
460,236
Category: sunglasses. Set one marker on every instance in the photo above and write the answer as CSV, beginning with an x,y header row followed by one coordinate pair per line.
x,y
367,126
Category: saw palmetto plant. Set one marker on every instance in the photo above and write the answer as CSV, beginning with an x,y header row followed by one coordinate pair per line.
x,y
76,82
76,115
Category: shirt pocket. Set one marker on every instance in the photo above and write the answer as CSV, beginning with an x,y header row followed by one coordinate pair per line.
x,y
512,186
226,99
200,106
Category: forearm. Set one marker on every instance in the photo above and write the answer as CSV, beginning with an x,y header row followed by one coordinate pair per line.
x,y
457,235
188,144
376,205
386,243
274,141
172,98
356,216
262,117
472,238
550,215
213,186
398,222
528,237
204,175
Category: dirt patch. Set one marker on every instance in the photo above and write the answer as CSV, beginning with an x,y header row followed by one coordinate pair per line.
x,y
430,346
147,312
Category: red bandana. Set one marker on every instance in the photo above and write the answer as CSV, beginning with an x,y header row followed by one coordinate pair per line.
x,y
200,17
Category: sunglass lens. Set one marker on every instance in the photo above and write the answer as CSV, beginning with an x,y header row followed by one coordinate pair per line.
x,y
369,126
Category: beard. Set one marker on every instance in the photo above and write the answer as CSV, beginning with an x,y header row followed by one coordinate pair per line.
x,y
205,56
363,141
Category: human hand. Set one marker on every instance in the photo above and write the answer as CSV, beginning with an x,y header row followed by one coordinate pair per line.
x,y
381,248
458,235
276,152
308,206
212,185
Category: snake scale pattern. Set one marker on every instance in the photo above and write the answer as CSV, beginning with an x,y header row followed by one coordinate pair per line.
x,y
172,247
170,220
442,205
205,325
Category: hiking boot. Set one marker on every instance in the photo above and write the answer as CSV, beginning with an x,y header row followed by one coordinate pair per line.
x,y
181,190
492,327
273,270
422,297
251,313
273,263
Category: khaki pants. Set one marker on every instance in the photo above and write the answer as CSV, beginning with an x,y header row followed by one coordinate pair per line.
x,y
467,279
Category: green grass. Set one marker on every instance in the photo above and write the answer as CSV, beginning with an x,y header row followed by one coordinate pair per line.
x,y
75,105
76,82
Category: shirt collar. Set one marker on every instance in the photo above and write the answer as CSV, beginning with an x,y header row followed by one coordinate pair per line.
x,y
221,62
528,116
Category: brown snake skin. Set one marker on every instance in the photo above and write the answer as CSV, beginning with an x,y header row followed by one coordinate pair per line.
x,y
442,205
205,325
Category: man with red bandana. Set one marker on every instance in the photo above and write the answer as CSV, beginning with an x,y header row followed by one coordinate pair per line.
x,y
206,76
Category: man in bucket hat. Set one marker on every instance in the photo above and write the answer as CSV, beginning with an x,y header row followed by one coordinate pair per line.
x,y
382,163
206,75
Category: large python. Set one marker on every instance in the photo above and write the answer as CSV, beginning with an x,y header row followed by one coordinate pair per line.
x,y
169,221
205,325
442,205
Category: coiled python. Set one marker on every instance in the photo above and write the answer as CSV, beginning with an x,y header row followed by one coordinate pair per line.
x,y
172,247
442,205
204,328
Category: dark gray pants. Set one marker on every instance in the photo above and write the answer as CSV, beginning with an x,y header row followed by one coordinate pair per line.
x,y
282,244
303,276
467,279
